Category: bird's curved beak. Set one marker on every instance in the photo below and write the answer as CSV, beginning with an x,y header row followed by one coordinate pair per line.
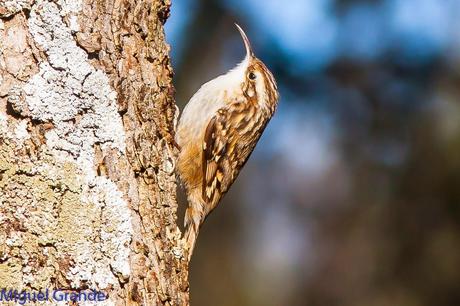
x,y
247,43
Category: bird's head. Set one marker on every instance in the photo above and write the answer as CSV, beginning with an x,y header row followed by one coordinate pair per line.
x,y
258,83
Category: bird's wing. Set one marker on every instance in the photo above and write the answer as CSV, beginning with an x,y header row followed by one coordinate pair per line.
x,y
229,140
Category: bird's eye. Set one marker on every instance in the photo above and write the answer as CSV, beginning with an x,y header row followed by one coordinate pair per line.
x,y
252,76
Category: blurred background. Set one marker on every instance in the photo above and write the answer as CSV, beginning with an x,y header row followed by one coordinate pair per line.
x,y
352,196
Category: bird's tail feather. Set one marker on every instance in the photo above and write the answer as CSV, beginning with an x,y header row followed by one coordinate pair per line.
x,y
192,225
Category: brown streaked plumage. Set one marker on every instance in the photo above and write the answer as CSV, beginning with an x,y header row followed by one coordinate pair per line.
x,y
217,132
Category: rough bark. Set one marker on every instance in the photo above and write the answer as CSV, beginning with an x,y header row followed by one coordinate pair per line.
x,y
87,154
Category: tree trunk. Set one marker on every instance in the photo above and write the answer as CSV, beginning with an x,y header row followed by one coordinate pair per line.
x,y
87,151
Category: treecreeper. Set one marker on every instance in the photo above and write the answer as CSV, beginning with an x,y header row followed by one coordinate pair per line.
x,y
217,132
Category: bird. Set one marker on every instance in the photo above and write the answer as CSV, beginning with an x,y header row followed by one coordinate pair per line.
x,y
217,132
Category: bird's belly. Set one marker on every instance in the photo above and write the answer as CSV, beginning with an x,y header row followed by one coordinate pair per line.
x,y
189,165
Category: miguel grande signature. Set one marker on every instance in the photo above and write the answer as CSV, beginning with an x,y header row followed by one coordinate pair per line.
x,y
26,296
